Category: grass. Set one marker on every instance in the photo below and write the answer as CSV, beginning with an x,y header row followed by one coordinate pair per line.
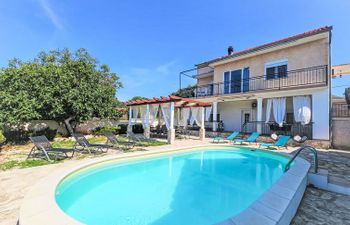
x,y
144,143
68,143
24,164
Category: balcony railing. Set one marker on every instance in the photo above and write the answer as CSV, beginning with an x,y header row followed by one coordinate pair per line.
x,y
306,77
341,110
269,128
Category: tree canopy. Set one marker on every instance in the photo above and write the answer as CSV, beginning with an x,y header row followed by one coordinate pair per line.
x,y
56,85
137,98
187,92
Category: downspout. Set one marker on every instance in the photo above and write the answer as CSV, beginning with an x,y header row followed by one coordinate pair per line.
x,y
330,86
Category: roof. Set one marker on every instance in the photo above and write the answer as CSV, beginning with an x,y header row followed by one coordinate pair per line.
x,y
271,44
180,102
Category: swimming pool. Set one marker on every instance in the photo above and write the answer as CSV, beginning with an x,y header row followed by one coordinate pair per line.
x,y
202,186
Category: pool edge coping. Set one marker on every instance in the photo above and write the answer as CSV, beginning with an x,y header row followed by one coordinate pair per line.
x,y
39,205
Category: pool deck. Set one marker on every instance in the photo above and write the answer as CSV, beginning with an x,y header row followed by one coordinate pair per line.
x,y
317,207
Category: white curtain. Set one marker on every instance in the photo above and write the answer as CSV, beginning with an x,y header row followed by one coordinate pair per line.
x,y
135,113
207,113
144,116
195,116
279,110
130,117
268,109
153,109
185,113
302,109
166,111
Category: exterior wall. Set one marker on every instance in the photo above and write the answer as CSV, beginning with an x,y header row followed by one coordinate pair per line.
x,y
341,133
320,114
302,56
204,80
231,113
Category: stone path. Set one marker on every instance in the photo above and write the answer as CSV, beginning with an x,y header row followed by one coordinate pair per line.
x,y
320,207
336,162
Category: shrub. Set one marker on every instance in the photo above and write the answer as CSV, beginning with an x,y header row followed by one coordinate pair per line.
x,y
137,128
101,130
19,135
123,128
2,137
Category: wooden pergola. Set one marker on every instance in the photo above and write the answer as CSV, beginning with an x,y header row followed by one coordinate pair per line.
x,y
172,103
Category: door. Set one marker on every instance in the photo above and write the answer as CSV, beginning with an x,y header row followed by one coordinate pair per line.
x,y
236,81
246,116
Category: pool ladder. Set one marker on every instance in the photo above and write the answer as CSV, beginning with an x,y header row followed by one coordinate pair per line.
x,y
308,147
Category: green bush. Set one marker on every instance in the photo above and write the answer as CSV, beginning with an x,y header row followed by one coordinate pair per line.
x,y
19,135
2,137
137,128
102,130
123,128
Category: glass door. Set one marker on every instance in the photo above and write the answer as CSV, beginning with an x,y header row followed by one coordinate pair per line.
x,y
236,81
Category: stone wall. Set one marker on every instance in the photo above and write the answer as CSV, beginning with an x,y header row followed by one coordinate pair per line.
x,y
88,126
341,133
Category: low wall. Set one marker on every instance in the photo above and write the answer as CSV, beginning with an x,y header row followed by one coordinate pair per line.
x,y
88,126
341,133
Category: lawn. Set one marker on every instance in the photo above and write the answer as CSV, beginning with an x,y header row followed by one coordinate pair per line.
x,y
14,162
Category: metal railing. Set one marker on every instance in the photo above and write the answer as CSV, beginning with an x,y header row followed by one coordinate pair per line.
x,y
290,129
290,79
308,147
341,110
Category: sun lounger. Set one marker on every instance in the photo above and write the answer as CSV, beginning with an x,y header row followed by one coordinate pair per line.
x,y
43,148
112,140
86,146
281,142
250,139
229,138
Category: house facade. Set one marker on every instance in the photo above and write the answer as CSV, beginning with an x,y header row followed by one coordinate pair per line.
x,y
282,86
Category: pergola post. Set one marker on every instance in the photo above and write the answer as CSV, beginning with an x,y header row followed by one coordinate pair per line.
x,y
129,129
202,129
171,131
215,116
259,115
146,129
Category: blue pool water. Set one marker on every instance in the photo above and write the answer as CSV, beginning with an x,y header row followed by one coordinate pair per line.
x,y
198,187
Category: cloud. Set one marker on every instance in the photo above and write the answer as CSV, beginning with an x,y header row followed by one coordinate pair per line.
x,y
55,20
165,68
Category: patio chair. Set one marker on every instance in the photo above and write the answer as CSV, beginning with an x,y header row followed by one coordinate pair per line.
x,y
112,140
86,146
250,139
138,137
42,147
281,142
229,138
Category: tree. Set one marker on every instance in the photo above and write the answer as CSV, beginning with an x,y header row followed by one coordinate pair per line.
x,y
187,92
137,98
56,85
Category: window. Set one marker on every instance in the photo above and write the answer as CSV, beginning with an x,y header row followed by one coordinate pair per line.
x,y
277,69
233,81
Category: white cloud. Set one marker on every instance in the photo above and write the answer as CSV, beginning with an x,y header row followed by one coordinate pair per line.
x,y
165,68
44,4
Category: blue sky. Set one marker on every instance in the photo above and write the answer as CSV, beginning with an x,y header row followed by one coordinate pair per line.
x,y
147,43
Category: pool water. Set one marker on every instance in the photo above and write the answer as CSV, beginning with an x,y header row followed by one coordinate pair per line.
x,y
197,187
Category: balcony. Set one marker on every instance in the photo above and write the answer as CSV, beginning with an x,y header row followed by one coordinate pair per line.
x,y
293,79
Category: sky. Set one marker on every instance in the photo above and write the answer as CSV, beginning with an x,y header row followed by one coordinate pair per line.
x,y
147,43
